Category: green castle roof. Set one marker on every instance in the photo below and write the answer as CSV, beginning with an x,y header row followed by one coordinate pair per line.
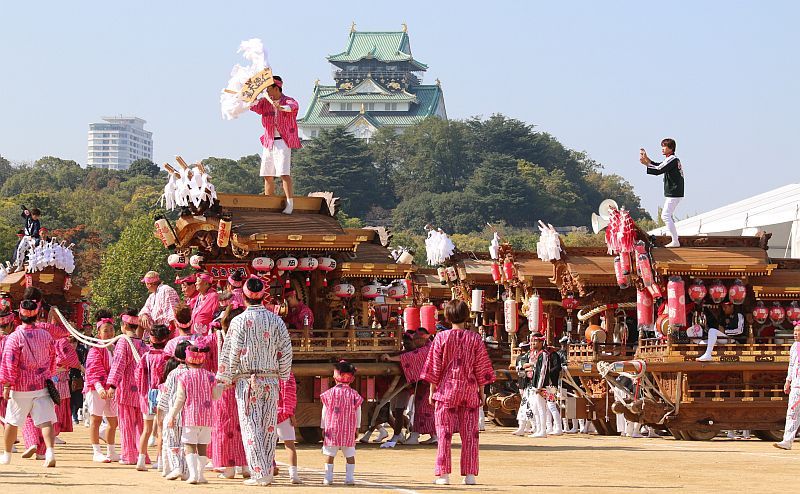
x,y
428,99
382,46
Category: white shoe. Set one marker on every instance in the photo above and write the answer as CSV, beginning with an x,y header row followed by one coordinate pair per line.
x,y
382,434
731,435
413,438
28,453
705,358
557,432
228,473
100,458
114,457
783,445
60,441
50,462
326,481
259,482
174,475
152,441
537,435
469,480
519,432
5,458
442,480
431,440
349,482
296,480
289,206
674,243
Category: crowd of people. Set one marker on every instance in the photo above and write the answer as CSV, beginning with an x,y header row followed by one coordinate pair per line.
x,y
207,378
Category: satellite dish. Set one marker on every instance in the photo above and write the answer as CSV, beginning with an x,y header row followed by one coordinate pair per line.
x,y
598,223
605,208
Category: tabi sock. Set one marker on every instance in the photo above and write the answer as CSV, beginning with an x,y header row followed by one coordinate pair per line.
x,y
329,472
293,472
49,454
96,449
350,470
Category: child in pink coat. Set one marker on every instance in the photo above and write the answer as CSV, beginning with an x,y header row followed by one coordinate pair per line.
x,y
193,400
148,374
98,366
341,416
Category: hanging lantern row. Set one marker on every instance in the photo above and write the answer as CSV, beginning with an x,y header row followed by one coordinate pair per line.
x,y
447,274
717,292
398,290
776,313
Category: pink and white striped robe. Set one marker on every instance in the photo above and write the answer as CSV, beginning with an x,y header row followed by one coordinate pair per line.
x,y
122,378
412,364
458,365
340,414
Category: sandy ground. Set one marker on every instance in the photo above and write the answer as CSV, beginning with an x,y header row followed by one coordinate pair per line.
x,y
508,464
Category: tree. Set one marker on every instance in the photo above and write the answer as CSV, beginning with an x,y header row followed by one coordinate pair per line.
x,y
340,163
453,212
507,196
125,262
432,157
6,170
385,150
144,167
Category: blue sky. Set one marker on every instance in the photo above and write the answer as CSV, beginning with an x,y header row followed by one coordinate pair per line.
x,y
721,77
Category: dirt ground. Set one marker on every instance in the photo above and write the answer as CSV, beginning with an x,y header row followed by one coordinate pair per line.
x,y
574,463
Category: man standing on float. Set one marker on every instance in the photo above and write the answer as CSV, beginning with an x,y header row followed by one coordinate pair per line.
x,y
279,118
673,184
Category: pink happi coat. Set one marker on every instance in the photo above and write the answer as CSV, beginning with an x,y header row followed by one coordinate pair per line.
x,y
412,364
148,373
198,385
340,415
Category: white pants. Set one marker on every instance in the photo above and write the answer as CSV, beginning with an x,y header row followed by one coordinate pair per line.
x,y
100,407
540,411
347,451
792,416
37,404
195,435
286,431
670,203
277,161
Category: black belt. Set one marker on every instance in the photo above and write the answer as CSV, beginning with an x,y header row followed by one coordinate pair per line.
x,y
276,138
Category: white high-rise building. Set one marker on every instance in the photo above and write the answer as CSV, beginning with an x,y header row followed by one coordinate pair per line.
x,y
118,142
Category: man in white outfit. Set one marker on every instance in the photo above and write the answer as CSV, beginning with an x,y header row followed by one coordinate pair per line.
x,y
673,184
792,388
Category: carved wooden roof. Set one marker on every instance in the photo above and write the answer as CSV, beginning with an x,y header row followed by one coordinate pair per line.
x,y
720,262
781,284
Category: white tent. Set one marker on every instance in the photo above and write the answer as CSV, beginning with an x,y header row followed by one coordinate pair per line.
x,y
776,212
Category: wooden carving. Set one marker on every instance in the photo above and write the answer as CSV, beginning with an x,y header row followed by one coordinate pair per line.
x,y
331,202
384,234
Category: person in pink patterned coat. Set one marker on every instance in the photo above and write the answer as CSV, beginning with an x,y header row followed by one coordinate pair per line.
x,y
28,359
95,387
227,448
123,387
287,403
412,364
159,308
193,401
341,417
7,319
458,367
147,376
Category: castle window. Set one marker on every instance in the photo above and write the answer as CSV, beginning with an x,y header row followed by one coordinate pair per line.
x,y
390,106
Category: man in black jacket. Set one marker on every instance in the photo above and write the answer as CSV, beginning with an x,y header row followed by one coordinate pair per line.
x,y
673,183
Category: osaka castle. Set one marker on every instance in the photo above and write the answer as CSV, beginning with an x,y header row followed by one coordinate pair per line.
x,y
377,83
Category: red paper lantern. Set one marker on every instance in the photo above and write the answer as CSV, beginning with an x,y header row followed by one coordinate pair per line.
x,y
698,292
737,292
370,291
508,270
344,290
409,285
644,269
569,303
625,262
760,313
717,292
287,264
622,278
644,308
411,318
776,313
428,314
676,301
793,312
655,291
496,277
